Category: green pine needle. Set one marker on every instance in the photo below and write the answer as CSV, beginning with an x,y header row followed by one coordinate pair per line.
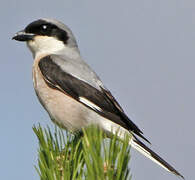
x,y
90,156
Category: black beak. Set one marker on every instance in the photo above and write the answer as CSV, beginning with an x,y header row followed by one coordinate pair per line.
x,y
23,36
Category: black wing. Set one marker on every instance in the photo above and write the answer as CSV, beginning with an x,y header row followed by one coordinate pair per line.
x,y
109,108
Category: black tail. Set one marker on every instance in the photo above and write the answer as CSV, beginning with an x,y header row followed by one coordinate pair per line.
x,y
143,149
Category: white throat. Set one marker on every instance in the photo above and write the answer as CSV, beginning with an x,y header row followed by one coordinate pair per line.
x,y
44,45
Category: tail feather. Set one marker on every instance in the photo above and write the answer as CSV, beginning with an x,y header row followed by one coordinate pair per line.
x,y
143,149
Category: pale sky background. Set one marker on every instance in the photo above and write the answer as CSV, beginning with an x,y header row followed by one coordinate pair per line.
x,y
143,50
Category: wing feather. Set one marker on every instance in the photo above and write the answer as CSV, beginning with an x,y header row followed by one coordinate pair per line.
x,y
101,101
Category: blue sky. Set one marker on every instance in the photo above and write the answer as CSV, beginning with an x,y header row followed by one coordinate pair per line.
x,y
144,51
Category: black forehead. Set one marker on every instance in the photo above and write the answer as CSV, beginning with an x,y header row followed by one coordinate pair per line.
x,y
52,30
36,24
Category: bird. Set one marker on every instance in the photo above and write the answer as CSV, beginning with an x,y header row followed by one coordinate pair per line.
x,y
71,92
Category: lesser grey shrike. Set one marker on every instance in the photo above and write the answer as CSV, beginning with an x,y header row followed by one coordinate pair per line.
x,y
71,92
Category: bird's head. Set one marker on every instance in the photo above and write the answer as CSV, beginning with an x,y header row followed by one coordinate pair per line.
x,y
48,36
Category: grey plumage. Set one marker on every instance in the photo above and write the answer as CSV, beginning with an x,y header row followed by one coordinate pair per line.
x,y
70,91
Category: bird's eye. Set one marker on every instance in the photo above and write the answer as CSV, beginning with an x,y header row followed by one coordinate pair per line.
x,y
44,27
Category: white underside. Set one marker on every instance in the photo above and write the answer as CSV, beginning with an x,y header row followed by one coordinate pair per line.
x,y
109,126
72,115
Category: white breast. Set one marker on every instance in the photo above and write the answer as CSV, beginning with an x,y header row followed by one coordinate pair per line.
x,y
63,110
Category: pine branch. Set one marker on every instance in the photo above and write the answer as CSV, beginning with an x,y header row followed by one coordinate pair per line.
x,y
91,156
